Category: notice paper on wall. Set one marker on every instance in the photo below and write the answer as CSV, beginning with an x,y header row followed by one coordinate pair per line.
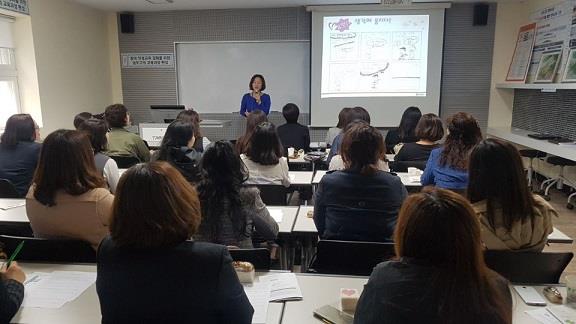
x,y
53,290
258,294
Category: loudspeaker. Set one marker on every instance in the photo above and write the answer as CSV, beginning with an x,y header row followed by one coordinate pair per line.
x,y
481,14
127,23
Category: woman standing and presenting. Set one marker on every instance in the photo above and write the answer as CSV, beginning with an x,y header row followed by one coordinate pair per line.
x,y
255,99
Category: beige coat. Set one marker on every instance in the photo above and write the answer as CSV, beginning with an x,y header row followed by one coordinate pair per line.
x,y
527,236
85,217
267,174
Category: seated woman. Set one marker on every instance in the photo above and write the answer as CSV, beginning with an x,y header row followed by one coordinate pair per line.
x,y
231,212
177,149
439,275
148,269
429,131
19,152
338,164
201,142
80,118
68,198
355,114
96,130
405,133
360,203
121,141
511,217
11,291
292,134
343,118
254,119
264,159
447,166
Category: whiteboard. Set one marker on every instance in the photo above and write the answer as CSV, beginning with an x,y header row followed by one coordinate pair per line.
x,y
212,77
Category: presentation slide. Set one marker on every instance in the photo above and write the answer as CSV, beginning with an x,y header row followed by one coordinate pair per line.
x,y
374,56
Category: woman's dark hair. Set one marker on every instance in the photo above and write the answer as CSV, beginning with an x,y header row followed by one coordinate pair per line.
x,y
96,130
66,163
80,118
463,135
408,123
19,128
344,117
291,112
430,128
154,207
194,117
178,135
362,148
439,227
265,147
255,118
116,115
261,77
224,173
497,176
359,113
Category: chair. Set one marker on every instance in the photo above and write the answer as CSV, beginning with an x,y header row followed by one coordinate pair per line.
x,y
125,162
559,180
274,195
402,166
528,267
260,258
349,257
7,189
49,250
531,155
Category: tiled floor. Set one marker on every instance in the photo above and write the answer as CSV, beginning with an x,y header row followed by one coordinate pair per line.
x,y
567,224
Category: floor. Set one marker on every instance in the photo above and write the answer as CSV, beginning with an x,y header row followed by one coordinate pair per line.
x,y
567,224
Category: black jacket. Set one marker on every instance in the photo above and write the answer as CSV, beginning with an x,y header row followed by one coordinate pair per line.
x,y
401,292
354,207
11,297
17,164
393,138
294,135
193,282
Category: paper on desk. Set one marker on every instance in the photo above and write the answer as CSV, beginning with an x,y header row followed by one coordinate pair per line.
x,y
258,294
277,214
560,314
6,204
284,286
53,290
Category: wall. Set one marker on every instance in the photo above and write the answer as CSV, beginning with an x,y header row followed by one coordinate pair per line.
x,y
73,60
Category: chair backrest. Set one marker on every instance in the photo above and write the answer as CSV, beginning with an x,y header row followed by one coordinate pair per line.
x,y
125,162
260,258
350,257
275,195
528,267
7,189
402,166
49,250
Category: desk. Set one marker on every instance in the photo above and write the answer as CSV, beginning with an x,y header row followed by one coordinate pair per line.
x,y
86,308
320,290
520,137
301,178
285,234
14,216
288,217
405,177
558,237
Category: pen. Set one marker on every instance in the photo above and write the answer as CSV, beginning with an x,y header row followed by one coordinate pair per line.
x,y
14,254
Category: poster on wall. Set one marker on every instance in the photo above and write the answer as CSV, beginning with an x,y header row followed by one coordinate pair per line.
x,y
20,6
148,60
553,27
518,69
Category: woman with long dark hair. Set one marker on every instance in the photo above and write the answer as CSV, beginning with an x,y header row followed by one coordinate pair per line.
x,y
439,275
191,115
406,131
69,198
255,118
19,152
511,217
264,157
447,166
343,118
231,212
177,149
96,130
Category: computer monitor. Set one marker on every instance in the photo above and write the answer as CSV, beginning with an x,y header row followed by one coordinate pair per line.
x,y
152,133
160,113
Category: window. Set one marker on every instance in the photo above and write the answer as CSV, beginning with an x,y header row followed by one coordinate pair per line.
x,y
9,96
